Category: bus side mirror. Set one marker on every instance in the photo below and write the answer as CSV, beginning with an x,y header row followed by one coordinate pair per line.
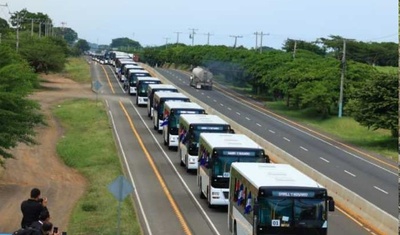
x,y
267,159
331,204
255,209
232,131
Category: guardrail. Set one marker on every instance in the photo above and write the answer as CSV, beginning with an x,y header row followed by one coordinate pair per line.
x,y
369,214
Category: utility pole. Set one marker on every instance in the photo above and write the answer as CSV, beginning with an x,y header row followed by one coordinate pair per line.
x,y
256,33
192,35
177,36
166,41
342,79
208,37
18,23
261,40
236,37
40,29
294,49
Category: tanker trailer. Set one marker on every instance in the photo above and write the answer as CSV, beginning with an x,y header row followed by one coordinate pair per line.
x,y
201,78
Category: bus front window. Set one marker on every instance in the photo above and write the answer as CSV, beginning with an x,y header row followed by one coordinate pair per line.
x,y
276,212
309,213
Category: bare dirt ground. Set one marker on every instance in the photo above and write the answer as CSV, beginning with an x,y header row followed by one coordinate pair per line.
x,y
40,166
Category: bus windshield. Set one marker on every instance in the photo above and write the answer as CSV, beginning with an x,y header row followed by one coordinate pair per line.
x,y
292,212
194,139
133,77
142,87
221,164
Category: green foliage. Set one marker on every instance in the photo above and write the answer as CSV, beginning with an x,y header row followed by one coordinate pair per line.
x,y
43,54
81,46
289,46
68,34
78,70
4,27
24,19
375,105
125,42
18,114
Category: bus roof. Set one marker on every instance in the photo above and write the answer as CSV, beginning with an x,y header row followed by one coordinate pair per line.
x,y
202,119
182,105
161,86
269,174
220,140
132,65
163,94
148,79
135,70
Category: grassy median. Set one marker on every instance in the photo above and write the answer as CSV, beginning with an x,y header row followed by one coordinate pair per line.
x,y
88,146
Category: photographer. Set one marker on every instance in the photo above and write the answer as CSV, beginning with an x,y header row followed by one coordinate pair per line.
x,y
32,208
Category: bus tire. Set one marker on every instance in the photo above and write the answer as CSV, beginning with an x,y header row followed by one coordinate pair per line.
x,y
208,199
234,228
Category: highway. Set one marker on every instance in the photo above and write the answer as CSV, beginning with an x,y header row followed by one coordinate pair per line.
x,y
372,177
166,196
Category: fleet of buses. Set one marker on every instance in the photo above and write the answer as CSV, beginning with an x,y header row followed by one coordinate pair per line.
x,y
232,169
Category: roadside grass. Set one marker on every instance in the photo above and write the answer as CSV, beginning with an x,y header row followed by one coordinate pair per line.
x,y
343,129
77,69
89,147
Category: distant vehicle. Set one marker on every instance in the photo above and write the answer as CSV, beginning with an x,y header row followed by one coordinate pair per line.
x,y
276,199
201,78
120,61
190,127
121,66
160,97
141,89
151,89
174,111
216,154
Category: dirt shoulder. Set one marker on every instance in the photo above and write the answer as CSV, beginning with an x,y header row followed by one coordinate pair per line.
x,y
40,166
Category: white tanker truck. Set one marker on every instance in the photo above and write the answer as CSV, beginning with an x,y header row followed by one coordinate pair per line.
x,y
201,78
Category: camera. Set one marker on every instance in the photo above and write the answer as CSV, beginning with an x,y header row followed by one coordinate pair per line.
x,y
55,230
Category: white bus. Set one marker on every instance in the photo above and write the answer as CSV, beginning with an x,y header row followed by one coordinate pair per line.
x,y
151,89
125,68
132,75
160,97
276,199
173,110
141,89
216,154
190,127
119,63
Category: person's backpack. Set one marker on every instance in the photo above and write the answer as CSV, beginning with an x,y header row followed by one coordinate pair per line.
x,y
26,231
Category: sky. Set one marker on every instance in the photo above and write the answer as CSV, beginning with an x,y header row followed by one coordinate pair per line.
x,y
156,22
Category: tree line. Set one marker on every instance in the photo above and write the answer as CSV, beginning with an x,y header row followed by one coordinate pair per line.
x,y
307,78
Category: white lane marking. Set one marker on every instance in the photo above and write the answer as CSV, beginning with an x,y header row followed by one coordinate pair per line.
x,y
176,172
221,104
237,113
348,172
116,78
273,132
323,159
215,100
130,176
229,108
207,96
383,191
303,148
258,124
286,139
108,106
248,118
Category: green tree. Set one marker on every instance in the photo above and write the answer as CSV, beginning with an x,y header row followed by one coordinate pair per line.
x,y
68,34
18,114
289,45
82,46
4,27
43,54
125,43
24,19
375,104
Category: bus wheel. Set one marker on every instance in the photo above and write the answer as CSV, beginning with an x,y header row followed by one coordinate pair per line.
x,y
234,228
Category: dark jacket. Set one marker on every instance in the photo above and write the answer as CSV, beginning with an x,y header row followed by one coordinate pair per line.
x,y
31,210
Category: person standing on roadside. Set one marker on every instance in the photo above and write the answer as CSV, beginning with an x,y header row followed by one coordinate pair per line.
x,y
44,217
32,208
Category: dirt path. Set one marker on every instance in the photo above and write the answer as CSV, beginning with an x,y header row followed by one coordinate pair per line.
x,y
39,165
